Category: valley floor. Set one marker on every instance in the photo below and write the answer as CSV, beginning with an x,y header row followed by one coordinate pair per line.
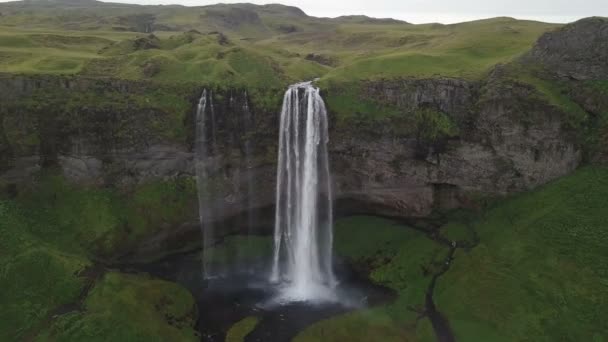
x,y
529,267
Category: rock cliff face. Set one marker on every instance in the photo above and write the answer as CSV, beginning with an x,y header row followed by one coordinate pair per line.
x,y
507,142
81,125
501,137
578,51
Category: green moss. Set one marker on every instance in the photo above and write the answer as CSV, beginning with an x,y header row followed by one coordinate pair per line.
x,y
433,125
601,86
115,118
159,204
461,232
76,219
35,277
539,271
556,94
352,108
129,308
100,222
350,104
396,256
239,249
47,235
241,329
589,130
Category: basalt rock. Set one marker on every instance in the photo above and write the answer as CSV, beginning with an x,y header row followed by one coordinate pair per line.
x,y
578,51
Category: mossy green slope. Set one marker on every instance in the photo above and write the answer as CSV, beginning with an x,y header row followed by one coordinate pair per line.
x,y
248,45
540,270
53,232
129,308
102,223
35,276
241,329
396,256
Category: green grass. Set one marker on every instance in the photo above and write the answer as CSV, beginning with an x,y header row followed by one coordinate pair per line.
x,y
241,329
53,230
98,222
397,257
555,94
540,272
129,308
347,102
161,111
160,204
256,50
466,50
589,128
35,277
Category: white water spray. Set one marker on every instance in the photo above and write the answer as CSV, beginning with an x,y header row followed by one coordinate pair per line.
x,y
303,235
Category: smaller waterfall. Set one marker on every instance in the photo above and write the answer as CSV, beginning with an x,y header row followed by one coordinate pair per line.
x,y
247,125
303,236
223,161
201,149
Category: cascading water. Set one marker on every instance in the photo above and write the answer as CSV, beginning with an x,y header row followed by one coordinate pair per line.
x,y
224,177
201,149
247,120
303,236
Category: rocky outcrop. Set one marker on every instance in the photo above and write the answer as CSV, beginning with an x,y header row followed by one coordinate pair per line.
x,y
509,142
578,51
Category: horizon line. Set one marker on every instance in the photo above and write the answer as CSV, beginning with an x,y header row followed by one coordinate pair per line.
x,y
414,17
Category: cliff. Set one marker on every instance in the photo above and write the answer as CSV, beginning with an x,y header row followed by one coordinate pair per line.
x,y
400,147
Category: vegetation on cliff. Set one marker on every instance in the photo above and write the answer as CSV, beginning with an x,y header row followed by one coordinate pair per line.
x,y
52,235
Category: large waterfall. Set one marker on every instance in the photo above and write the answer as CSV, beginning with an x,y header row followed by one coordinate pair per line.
x,y
303,235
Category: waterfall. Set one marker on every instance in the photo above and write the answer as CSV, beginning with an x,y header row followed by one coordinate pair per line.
x,y
201,149
249,180
223,177
303,235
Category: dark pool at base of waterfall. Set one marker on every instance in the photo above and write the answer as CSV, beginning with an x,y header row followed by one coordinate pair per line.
x,y
245,291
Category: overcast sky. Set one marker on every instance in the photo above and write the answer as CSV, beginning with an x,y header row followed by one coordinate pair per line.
x,y
424,11
444,11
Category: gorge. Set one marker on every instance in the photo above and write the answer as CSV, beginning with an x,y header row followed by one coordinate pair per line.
x,y
158,181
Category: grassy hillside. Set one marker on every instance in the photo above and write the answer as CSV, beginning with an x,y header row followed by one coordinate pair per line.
x,y
51,236
540,271
245,44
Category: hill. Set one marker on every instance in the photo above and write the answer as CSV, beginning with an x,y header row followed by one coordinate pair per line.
x,y
245,44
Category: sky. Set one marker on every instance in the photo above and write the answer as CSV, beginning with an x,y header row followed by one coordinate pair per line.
x,y
425,11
